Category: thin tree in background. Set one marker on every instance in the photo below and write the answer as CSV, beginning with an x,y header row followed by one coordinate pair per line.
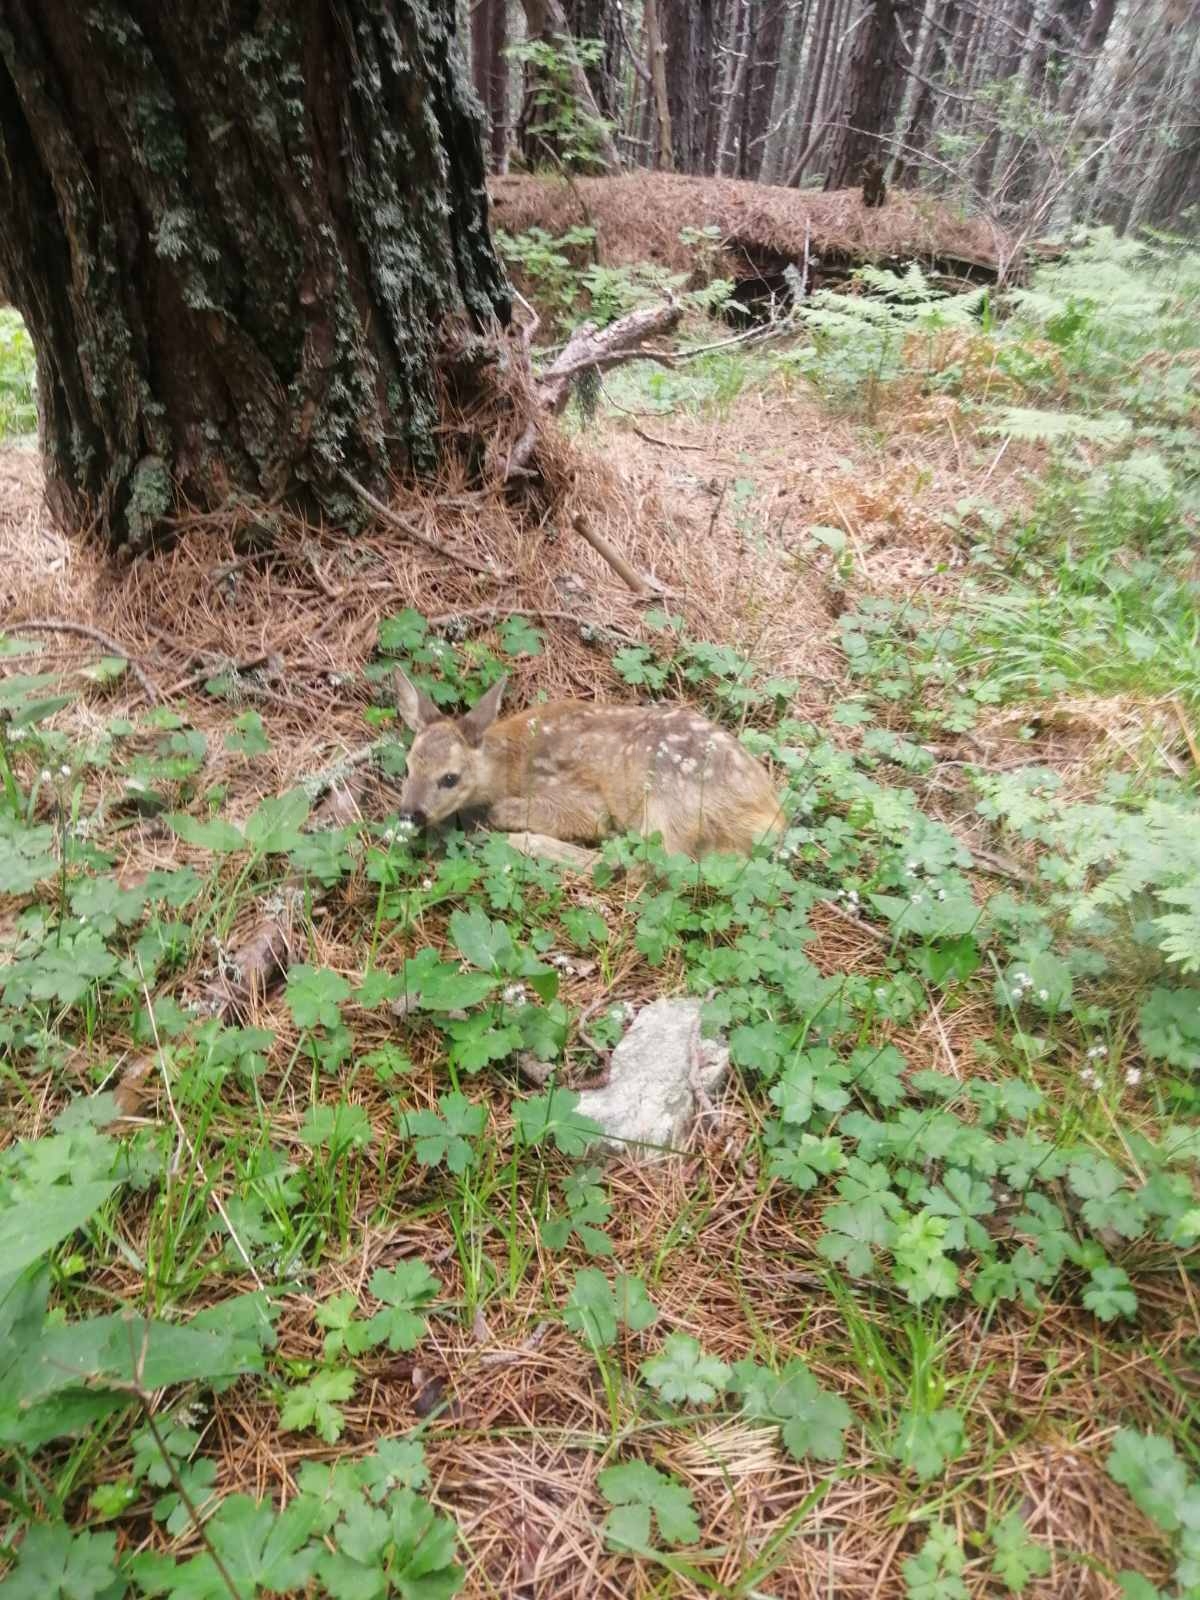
x,y
758,102
489,71
656,53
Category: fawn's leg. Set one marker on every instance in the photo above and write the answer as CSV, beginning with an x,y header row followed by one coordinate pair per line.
x,y
554,814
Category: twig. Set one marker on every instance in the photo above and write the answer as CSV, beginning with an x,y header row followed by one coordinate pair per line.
x,y
1187,732
537,614
400,522
667,444
769,330
323,583
534,323
61,625
609,552
505,1358
145,1400
856,922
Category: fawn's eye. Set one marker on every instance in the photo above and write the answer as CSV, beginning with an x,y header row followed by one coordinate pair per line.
x,y
448,780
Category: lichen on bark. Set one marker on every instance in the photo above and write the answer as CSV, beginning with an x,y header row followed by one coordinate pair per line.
x,y
238,234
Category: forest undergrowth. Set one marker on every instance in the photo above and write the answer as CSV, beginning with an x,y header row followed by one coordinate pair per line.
x,y
327,1298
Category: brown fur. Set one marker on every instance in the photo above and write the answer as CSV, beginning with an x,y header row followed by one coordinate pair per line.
x,y
581,772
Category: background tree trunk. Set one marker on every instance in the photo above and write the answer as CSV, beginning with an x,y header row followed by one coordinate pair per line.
x,y
237,245
766,46
597,19
489,68
546,20
689,35
656,51
872,92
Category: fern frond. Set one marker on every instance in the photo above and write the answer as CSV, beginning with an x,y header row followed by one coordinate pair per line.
x,y
1057,427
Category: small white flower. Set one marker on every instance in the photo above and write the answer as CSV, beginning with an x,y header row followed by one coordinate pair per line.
x,y
388,835
1089,1076
1097,1051
427,883
941,894
514,994
1133,1076
1043,994
66,771
46,774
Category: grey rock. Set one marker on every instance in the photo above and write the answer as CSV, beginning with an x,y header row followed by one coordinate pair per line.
x,y
660,1074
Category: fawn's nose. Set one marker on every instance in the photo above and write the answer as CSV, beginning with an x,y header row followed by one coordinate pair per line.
x,y
417,818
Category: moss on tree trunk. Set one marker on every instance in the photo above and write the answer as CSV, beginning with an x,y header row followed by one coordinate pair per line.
x,y
241,234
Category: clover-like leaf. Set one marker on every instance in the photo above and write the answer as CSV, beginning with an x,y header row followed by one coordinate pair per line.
x,y
681,1372
640,1493
406,1291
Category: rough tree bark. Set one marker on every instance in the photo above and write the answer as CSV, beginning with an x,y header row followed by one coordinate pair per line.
x,y
766,47
489,69
873,87
598,19
689,30
240,234
656,51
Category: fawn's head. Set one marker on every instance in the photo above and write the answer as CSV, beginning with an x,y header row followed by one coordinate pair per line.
x,y
445,764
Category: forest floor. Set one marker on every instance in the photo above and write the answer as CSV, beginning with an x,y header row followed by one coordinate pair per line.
x,y
914,1318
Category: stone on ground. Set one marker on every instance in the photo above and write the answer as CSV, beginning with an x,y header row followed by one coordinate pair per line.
x,y
660,1074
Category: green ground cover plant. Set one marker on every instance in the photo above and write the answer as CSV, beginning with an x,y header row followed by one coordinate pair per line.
x,y
956,1203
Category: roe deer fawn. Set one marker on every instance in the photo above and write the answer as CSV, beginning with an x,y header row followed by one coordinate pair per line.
x,y
580,772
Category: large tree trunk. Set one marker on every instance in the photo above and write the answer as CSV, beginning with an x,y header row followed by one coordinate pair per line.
x,y
598,19
872,92
240,234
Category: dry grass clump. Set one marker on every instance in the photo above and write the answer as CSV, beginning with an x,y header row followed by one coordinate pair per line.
x,y
640,216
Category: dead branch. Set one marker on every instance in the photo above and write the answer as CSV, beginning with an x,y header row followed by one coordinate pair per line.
x,y
404,525
592,349
608,551
667,444
60,625
602,348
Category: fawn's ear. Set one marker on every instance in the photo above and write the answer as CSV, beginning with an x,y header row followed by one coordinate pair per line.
x,y
483,713
416,709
